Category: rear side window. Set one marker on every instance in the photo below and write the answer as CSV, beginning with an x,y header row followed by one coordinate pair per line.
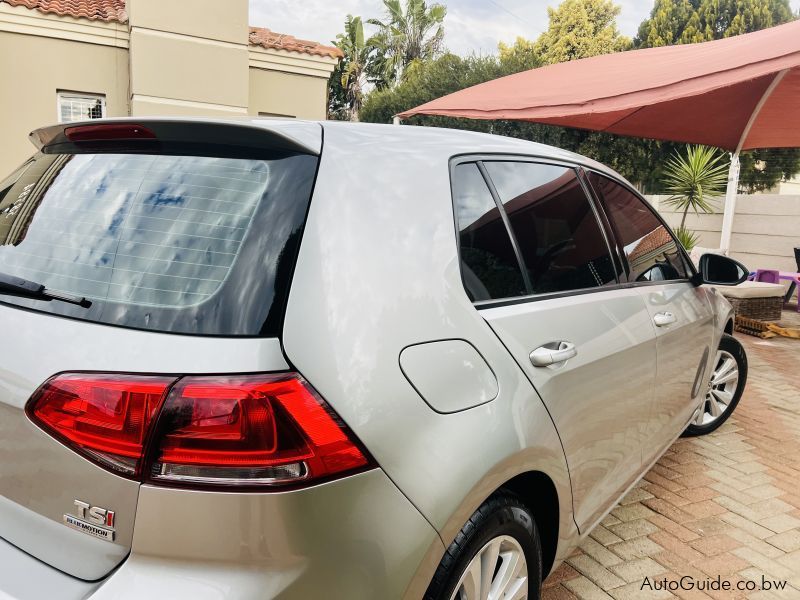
x,y
652,252
556,228
185,244
489,266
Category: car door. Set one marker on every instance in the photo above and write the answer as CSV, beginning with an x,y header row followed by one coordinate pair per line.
x,y
659,270
538,266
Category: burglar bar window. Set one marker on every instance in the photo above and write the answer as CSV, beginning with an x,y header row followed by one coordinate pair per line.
x,y
80,107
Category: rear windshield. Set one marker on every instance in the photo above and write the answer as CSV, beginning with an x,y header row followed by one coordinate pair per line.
x,y
183,244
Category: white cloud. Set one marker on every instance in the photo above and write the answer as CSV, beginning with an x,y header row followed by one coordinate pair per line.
x,y
471,25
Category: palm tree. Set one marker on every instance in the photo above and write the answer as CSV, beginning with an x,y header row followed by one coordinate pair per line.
x,y
693,180
405,36
352,68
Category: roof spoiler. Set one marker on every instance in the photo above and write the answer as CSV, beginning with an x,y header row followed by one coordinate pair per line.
x,y
251,134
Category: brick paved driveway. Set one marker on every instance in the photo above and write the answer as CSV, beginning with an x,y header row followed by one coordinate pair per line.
x,y
727,504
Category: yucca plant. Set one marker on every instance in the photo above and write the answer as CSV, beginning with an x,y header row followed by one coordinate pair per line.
x,y
693,180
686,237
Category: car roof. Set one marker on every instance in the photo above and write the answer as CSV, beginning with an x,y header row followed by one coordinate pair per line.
x,y
308,136
458,142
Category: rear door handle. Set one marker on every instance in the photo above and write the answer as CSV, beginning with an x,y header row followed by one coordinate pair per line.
x,y
664,318
553,353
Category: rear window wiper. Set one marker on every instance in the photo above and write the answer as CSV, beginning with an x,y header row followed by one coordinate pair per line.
x,y
23,288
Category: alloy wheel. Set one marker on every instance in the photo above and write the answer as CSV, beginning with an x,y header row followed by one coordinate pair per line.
x,y
721,389
498,571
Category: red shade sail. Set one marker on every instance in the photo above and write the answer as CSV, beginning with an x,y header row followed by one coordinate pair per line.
x,y
737,93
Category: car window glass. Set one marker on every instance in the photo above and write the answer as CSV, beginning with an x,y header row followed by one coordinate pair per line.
x,y
489,265
172,243
560,239
651,250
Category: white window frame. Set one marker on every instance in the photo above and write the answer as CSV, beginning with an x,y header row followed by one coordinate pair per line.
x,y
62,96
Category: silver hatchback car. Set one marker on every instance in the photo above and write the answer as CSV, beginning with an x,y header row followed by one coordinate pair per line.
x,y
277,359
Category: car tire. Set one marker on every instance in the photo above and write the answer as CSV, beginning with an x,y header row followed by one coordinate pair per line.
x,y
503,527
729,350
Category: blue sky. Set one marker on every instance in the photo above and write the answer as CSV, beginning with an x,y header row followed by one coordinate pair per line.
x,y
471,25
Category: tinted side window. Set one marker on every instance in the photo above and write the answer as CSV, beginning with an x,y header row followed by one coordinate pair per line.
x,y
489,265
559,236
652,252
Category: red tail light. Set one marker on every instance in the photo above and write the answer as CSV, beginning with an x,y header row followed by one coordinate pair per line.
x,y
248,430
104,417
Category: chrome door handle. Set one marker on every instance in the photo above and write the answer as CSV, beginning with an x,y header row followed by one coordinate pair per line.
x,y
552,353
664,318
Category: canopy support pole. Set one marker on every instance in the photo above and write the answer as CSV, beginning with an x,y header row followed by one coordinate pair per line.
x,y
733,172
730,203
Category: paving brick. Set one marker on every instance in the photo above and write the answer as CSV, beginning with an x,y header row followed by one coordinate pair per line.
x,y
674,498
637,570
755,544
558,593
746,525
631,512
584,589
780,523
788,541
708,526
766,564
633,529
715,544
600,553
563,573
668,510
676,529
636,548
672,544
604,536
724,564
706,508
698,494
593,570
637,494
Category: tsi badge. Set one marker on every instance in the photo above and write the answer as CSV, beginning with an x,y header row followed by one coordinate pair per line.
x,y
93,520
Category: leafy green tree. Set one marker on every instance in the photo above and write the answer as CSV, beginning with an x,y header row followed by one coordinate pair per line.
x,y
414,32
579,29
427,80
519,56
692,21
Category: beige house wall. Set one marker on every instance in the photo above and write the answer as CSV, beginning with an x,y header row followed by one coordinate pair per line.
x,y
188,66
159,63
209,19
277,93
766,228
41,56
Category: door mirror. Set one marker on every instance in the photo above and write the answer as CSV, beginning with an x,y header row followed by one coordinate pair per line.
x,y
717,269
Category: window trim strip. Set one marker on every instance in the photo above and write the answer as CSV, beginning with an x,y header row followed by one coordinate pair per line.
x,y
504,216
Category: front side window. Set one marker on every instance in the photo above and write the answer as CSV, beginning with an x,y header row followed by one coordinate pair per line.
x,y
559,236
489,266
651,250
80,107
